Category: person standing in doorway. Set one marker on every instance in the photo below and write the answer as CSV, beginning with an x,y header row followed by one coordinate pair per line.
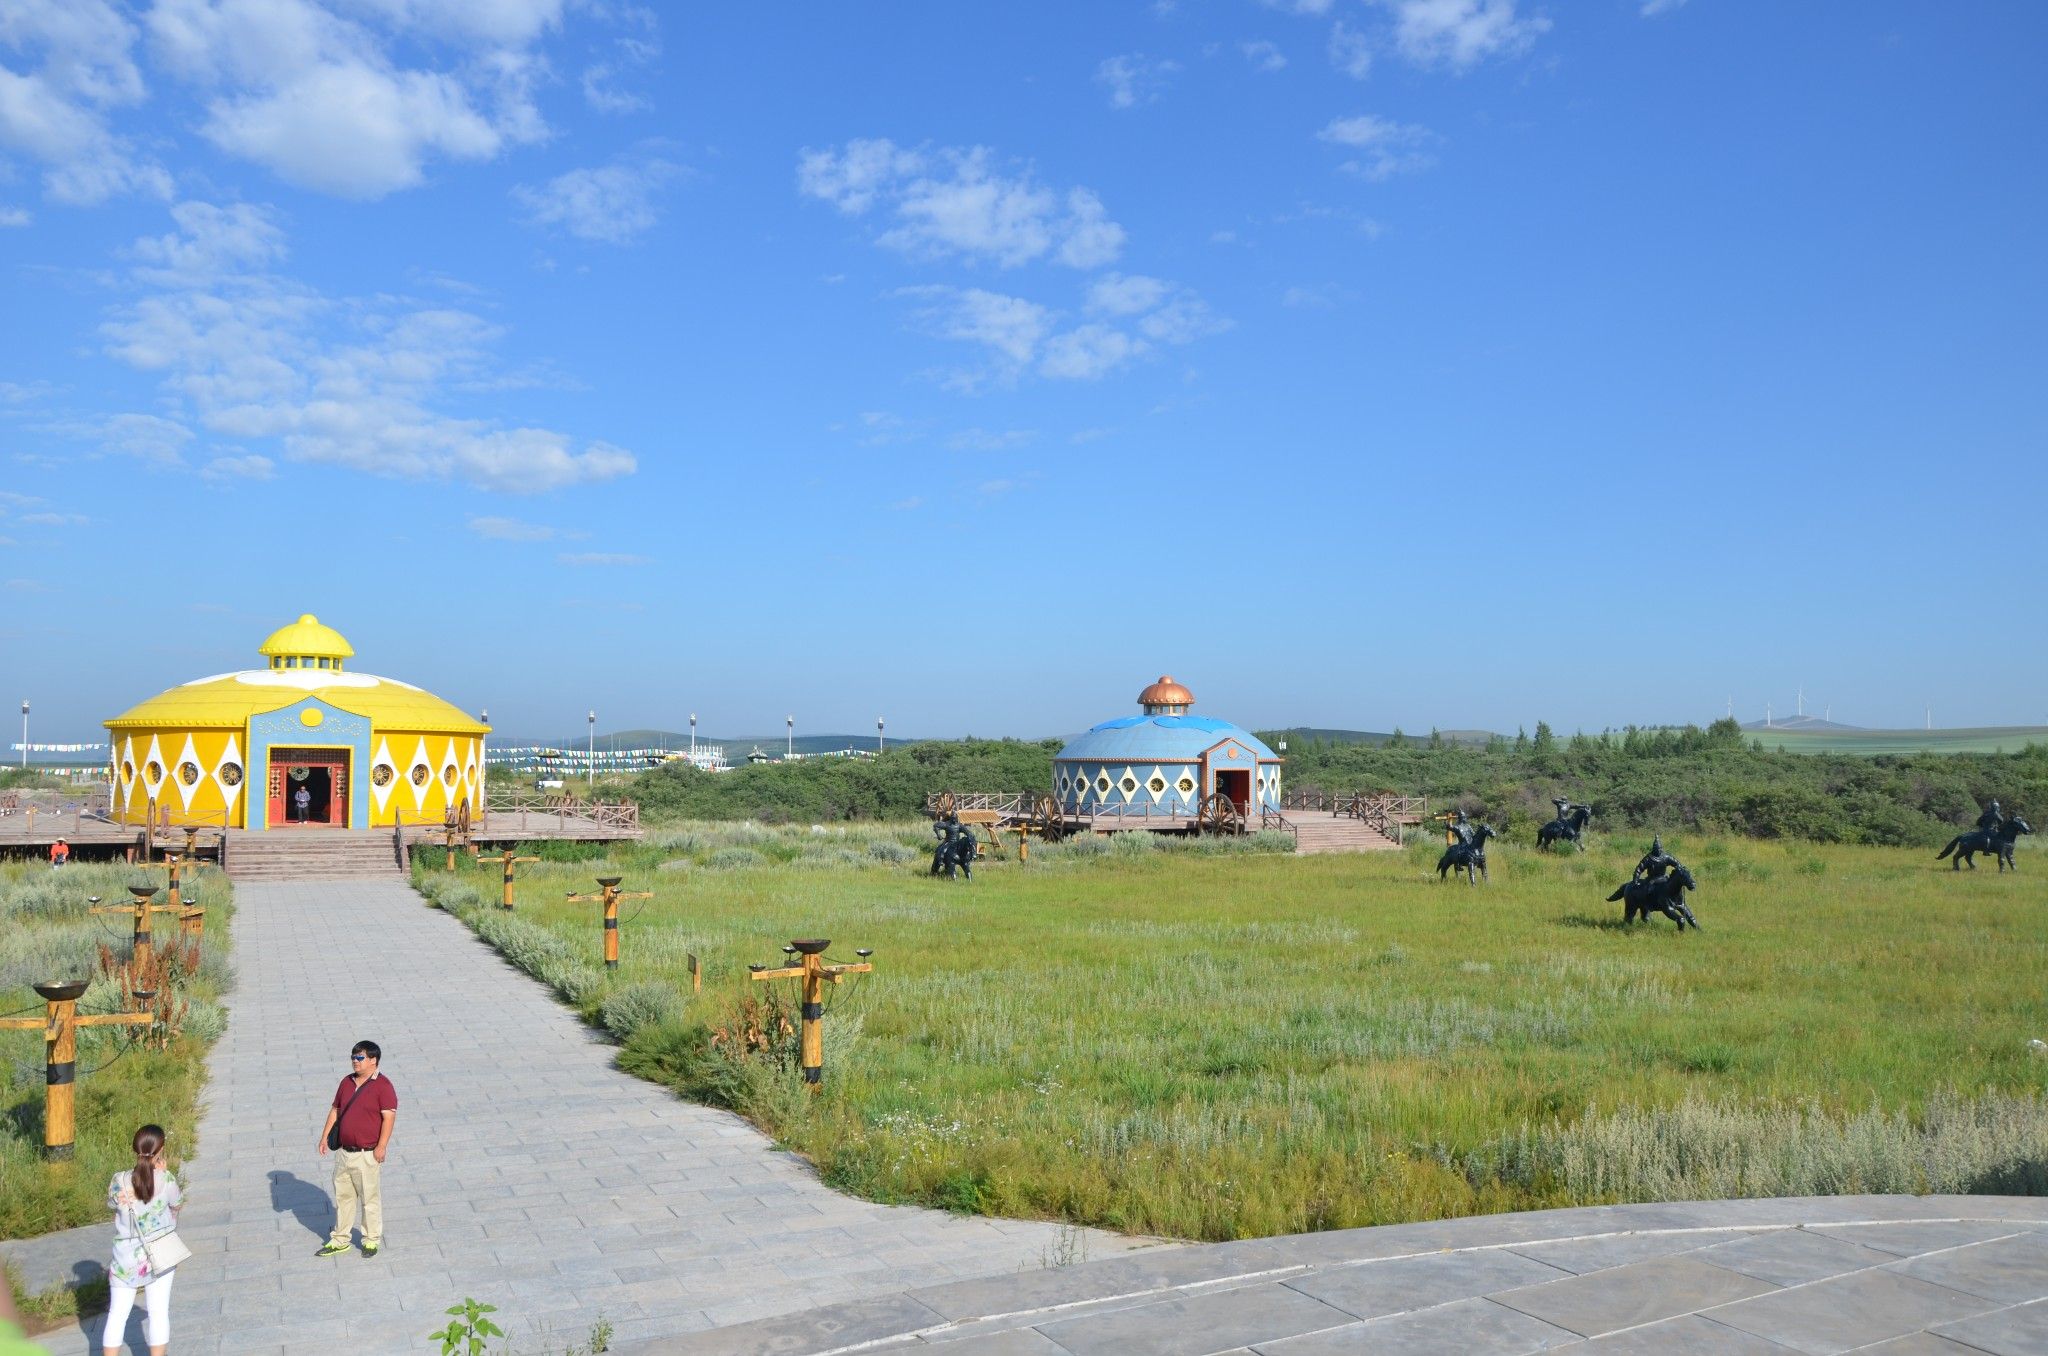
x,y
358,1129
302,800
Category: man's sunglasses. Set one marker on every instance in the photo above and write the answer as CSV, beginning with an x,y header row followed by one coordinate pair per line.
x,y
357,1059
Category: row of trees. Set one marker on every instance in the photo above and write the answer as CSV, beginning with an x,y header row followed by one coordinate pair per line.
x,y
1713,780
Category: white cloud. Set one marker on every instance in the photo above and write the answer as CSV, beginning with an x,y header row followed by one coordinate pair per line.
x,y
1386,147
350,382
510,529
14,216
1308,298
1134,79
1350,50
1089,352
1652,8
146,437
1298,6
959,203
1011,327
612,203
1264,56
316,96
1126,293
602,558
68,67
601,87
1022,336
1460,33
988,440
53,520
251,467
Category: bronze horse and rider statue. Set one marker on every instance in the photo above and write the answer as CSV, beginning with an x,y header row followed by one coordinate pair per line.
x,y
1466,850
1658,886
1566,828
956,848
1996,832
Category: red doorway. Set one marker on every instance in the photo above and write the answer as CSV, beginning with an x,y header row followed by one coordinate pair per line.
x,y
1236,783
320,775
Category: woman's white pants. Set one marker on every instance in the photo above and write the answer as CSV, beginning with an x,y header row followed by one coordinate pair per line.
x,y
156,1302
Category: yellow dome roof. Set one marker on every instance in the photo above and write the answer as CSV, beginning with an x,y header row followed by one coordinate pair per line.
x,y
227,700
307,637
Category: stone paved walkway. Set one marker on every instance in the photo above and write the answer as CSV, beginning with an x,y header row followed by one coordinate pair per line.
x,y
1884,1275
526,1171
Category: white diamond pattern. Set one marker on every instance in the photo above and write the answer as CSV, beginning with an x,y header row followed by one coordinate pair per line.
x,y
382,758
419,787
189,754
229,794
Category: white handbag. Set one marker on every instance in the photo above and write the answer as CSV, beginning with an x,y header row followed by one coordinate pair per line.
x,y
164,1251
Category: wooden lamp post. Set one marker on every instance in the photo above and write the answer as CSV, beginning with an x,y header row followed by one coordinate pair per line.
x,y
610,896
510,861
142,950
815,974
60,1022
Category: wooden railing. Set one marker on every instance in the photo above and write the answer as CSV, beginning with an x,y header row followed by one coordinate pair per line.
x,y
521,805
1274,819
1001,802
1381,810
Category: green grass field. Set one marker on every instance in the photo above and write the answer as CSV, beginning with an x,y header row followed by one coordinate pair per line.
x,y
46,933
1235,1045
1991,739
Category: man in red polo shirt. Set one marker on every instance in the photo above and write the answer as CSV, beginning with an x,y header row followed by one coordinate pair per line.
x,y
358,1129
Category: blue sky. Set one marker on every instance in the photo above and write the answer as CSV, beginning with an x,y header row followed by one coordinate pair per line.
x,y
1359,362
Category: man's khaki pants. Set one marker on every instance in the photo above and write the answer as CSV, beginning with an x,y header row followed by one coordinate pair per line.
x,y
356,1174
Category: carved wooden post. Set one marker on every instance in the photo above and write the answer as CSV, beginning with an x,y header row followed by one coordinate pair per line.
x,y
610,897
60,1022
510,862
815,974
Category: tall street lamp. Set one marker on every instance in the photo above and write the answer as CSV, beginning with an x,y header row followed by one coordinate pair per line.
x,y
881,744
24,734
693,736
788,749
593,754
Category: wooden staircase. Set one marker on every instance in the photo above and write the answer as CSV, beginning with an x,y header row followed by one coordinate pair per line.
x,y
291,855
1320,831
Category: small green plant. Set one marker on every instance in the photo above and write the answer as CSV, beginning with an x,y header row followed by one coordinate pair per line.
x,y
468,1332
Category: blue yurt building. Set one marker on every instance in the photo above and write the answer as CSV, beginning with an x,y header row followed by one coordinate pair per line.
x,y
1164,761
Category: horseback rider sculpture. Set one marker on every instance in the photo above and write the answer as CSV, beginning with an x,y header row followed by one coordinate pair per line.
x,y
1992,819
1655,862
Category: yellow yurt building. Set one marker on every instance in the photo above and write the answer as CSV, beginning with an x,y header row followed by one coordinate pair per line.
x,y
239,749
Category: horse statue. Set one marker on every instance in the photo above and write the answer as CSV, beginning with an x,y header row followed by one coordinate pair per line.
x,y
1996,841
1663,893
956,849
1468,854
1566,828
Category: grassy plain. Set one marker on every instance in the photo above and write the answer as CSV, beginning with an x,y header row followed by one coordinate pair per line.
x,y
1991,739
1244,1044
46,933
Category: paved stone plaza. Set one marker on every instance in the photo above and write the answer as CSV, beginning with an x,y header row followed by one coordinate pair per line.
x,y
1886,1275
528,1173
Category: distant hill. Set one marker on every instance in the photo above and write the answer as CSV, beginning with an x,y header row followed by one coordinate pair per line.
x,y
1302,733
1842,739
1799,723
735,748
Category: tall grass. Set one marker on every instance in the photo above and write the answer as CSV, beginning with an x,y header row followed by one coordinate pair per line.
x,y
48,933
1219,1046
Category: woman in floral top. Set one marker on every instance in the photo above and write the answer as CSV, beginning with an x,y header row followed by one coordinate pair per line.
x,y
145,1203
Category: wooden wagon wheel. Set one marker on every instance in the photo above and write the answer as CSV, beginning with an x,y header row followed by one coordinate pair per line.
x,y
1219,814
944,805
1046,816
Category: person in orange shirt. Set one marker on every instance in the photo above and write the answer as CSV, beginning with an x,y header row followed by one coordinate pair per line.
x,y
60,854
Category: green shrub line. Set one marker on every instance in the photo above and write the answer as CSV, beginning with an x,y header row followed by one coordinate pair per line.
x,y
1217,1044
1716,780
47,932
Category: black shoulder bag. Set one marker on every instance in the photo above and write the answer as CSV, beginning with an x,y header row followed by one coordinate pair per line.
x,y
334,1135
